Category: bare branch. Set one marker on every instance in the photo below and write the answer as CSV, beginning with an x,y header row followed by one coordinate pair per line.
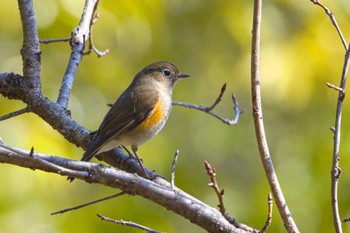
x,y
30,51
220,194
44,164
208,109
49,41
128,223
15,113
336,171
332,86
259,123
92,47
158,190
334,21
79,35
87,204
269,213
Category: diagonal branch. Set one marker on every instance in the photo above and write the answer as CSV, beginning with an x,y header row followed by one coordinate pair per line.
x,y
14,114
79,35
128,223
333,20
87,204
259,123
158,191
220,194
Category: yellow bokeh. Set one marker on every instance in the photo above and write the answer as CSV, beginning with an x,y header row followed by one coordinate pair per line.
x,y
300,52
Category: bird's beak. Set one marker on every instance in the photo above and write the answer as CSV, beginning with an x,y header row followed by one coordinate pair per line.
x,y
183,75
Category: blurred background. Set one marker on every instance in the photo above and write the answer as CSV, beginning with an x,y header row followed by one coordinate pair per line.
x,y
211,41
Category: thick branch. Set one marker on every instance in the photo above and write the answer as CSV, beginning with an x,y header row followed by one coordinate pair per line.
x,y
31,54
158,191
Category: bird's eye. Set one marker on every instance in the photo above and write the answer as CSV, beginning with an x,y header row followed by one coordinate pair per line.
x,y
166,72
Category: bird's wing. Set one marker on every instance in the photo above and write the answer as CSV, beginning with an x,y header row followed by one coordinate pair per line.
x,y
130,109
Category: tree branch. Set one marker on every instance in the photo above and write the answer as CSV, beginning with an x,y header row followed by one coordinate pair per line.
x,y
333,20
87,204
128,223
220,194
15,113
208,109
259,123
79,35
336,171
158,191
30,51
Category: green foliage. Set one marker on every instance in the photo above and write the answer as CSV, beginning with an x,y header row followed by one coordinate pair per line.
x,y
211,41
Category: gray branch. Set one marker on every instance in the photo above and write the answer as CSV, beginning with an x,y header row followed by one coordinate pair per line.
x,y
158,190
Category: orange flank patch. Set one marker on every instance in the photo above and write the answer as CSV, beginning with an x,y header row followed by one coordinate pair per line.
x,y
156,117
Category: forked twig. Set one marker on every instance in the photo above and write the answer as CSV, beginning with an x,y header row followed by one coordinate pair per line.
x,y
92,47
220,194
79,35
208,109
127,223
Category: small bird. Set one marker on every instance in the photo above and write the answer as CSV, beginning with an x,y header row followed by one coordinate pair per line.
x,y
139,113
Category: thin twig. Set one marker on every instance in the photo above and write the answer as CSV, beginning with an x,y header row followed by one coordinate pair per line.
x,y
220,194
208,109
269,213
336,171
92,47
346,220
259,123
48,41
218,99
173,166
88,203
128,223
332,86
334,21
15,113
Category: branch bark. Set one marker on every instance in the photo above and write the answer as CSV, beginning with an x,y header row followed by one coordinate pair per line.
x,y
79,35
158,191
259,124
